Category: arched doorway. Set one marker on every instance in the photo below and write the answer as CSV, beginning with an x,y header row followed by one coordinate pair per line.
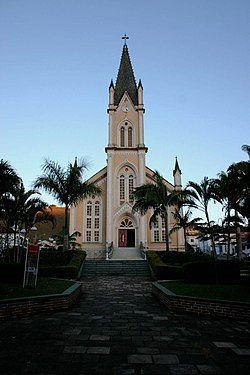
x,y
126,233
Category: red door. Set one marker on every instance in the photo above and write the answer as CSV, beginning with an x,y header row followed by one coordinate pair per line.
x,y
123,238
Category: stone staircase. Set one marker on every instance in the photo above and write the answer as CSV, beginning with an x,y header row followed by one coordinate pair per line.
x,y
115,268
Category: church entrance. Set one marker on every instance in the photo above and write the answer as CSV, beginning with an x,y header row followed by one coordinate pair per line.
x,y
126,238
126,233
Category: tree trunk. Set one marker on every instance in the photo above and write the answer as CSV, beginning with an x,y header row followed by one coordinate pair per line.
x,y
166,231
211,234
238,238
185,238
66,232
228,232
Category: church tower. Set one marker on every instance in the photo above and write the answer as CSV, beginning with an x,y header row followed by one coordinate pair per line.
x,y
125,156
109,219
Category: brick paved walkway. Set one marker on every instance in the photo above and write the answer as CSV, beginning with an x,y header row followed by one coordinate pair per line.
x,y
118,327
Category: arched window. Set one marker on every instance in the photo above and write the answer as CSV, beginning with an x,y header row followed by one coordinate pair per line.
x,y
89,208
122,189
126,223
130,188
97,208
130,137
93,222
122,134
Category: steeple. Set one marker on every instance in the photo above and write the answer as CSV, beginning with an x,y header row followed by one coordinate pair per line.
x,y
177,175
176,168
125,79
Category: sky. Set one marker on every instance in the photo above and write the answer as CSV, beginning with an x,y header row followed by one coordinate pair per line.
x,y
57,60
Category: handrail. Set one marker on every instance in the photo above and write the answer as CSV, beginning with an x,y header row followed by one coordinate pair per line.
x,y
142,251
109,251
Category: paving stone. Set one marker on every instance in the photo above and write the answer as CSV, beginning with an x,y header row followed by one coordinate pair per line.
x,y
99,337
183,370
222,344
240,351
165,359
209,370
65,342
147,350
160,318
139,358
162,338
99,350
74,331
75,349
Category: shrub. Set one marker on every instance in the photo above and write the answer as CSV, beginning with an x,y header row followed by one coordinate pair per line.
x,y
11,272
180,258
49,257
163,270
210,272
65,272
168,272
69,270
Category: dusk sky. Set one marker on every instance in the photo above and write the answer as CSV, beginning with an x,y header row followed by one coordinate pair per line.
x,y
57,60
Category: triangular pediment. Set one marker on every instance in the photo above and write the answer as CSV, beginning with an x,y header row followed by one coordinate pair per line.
x,y
125,101
125,208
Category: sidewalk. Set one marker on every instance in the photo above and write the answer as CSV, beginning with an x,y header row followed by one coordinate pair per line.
x,y
119,328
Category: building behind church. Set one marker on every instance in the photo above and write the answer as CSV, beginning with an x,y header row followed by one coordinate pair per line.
x,y
109,219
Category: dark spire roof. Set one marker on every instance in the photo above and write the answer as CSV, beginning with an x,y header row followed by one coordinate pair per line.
x,y
125,79
176,168
111,84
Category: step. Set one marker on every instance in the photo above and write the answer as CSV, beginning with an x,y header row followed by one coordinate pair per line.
x,y
122,268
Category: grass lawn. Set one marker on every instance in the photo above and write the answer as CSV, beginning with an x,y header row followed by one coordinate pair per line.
x,y
212,291
44,286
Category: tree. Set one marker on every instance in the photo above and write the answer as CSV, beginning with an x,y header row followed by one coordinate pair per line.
x,y
203,193
157,197
8,178
246,148
67,186
183,221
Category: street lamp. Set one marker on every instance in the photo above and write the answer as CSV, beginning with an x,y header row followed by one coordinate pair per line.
x,y
34,229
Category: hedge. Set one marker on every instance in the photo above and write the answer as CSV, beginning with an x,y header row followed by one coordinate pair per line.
x,y
162,270
211,272
68,271
11,272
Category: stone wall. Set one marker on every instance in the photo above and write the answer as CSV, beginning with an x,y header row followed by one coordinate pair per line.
x,y
31,305
218,308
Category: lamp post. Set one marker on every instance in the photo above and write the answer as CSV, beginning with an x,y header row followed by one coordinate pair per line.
x,y
34,230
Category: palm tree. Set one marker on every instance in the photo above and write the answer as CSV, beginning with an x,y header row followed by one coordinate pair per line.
x,y
156,196
203,193
183,221
246,148
233,189
9,180
8,177
67,186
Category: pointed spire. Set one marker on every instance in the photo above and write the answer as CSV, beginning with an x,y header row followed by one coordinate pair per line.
x,y
111,84
75,164
176,168
140,84
125,79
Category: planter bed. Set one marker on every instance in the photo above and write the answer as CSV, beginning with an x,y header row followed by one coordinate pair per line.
x,y
201,306
17,307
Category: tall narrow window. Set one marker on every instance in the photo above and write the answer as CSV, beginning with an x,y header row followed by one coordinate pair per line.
x,y
130,137
131,188
122,189
122,136
158,230
97,208
89,209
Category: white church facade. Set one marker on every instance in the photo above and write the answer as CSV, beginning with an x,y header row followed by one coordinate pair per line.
x,y
109,219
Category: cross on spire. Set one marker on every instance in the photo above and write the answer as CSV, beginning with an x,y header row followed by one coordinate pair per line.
x,y
125,37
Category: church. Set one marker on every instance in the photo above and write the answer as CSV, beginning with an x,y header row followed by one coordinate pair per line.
x,y
108,220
